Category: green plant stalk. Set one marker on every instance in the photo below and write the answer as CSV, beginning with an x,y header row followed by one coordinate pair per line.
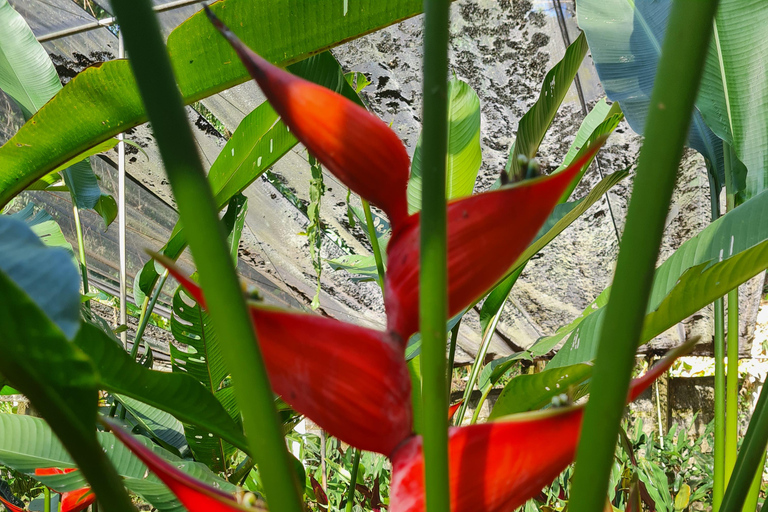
x,y
146,314
452,356
353,481
750,503
374,243
732,342
433,279
477,365
751,453
47,497
152,69
718,486
480,403
732,384
81,251
677,81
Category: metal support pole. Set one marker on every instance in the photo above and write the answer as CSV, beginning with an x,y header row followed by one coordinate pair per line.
x,y
121,214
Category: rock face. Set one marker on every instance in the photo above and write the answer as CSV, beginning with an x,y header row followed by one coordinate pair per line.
x,y
503,49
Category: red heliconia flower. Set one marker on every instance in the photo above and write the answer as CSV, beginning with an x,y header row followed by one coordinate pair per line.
x,y
196,496
350,380
353,144
10,506
453,408
73,501
498,466
486,234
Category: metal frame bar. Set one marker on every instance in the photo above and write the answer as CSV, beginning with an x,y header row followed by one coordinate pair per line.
x,y
106,22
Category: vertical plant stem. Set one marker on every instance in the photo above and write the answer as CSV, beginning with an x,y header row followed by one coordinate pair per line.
x,y
47,497
732,342
751,453
718,487
480,403
81,252
452,356
732,384
374,243
433,279
353,481
474,372
146,314
677,81
750,503
207,240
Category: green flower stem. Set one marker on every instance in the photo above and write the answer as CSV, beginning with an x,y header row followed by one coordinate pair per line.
x,y
732,384
732,342
674,92
477,365
480,403
197,209
452,356
146,314
433,279
47,498
751,453
718,486
374,243
81,251
353,481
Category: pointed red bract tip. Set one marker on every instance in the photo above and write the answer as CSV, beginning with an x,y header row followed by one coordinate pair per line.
x,y
352,381
195,495
453,408
73,501
498,466
493,467
486,234
353,144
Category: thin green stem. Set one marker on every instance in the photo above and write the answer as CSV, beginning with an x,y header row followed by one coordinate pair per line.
x,y
146,314
207,240
433,278
750,455
477,365
81,253
47,498
452,356
353,481
480,403
718,486
374,243
732,345
732,384
677,81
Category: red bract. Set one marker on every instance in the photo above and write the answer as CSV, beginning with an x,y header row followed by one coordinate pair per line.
x,y
498,466
195,495
354,145
351,381
10,506
486,234
73,501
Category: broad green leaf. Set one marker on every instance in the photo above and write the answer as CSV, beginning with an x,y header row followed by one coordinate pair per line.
x,y
464,154
609,124
106,206
43,225
734,89
199,357
535,123
259,141
162,426
27,443
177,394
531,392
28,76
495,370
726,253
362,268
561,217
54,177
625,42
46,274
103,100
